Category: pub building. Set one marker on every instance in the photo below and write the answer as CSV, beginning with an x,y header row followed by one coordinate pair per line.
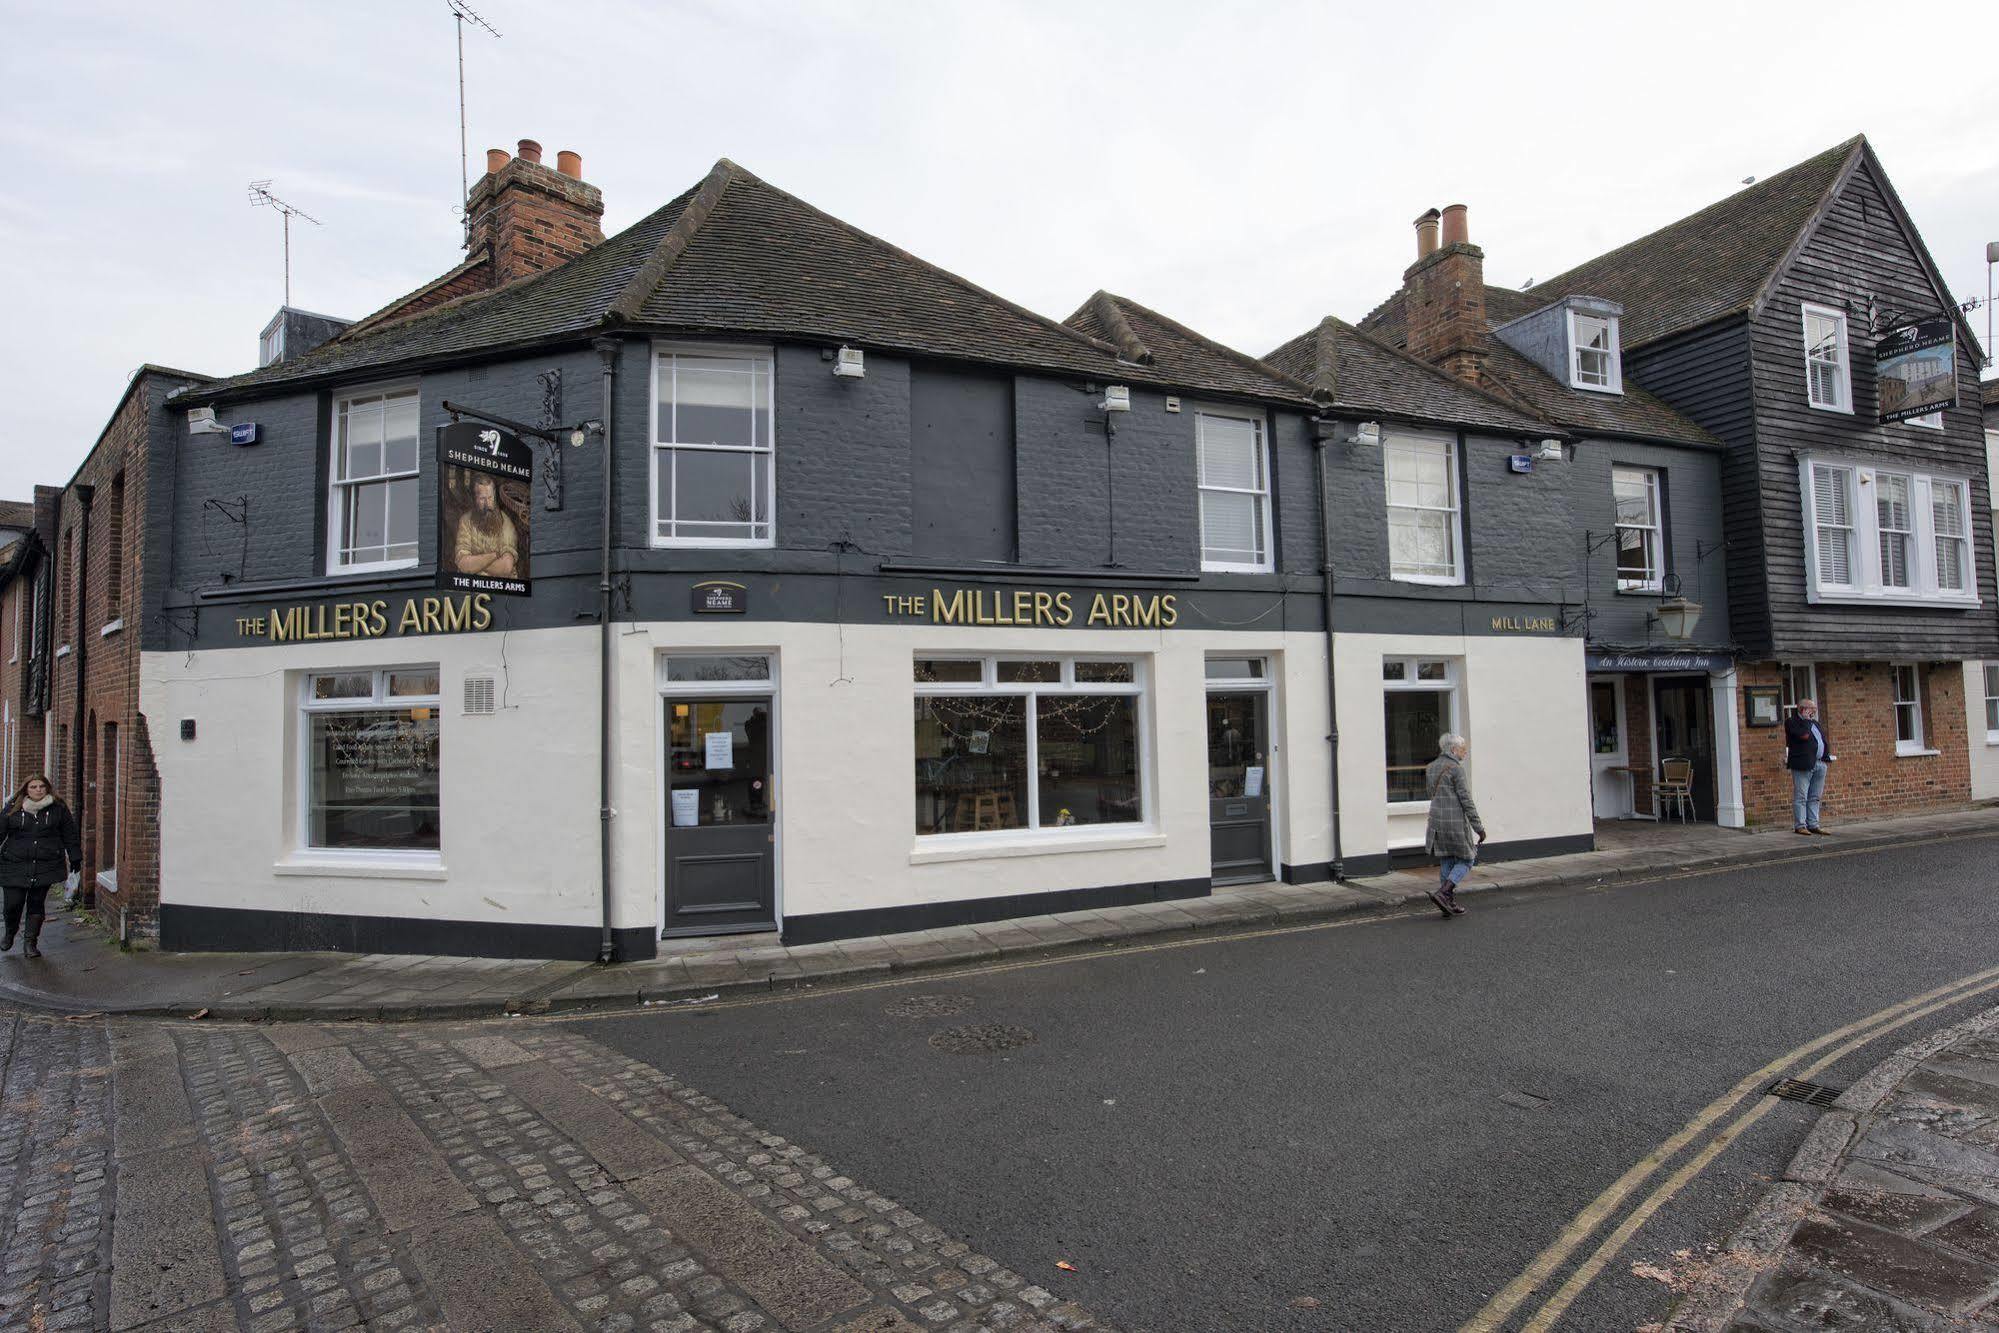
x,y
742,572
920,608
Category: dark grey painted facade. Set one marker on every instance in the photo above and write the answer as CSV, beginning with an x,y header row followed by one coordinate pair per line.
x,y
1690,493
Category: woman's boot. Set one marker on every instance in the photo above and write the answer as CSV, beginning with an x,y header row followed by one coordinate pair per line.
x,y
31,932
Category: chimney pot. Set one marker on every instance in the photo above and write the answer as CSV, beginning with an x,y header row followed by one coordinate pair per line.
x,y
569,164
530,151
1426,235
496,159
1457,230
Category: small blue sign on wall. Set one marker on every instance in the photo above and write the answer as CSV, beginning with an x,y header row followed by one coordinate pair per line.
x,y
244,432
1520,462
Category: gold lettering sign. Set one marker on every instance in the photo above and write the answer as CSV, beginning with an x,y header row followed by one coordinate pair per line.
x,y
1523,624
1030,607
369,620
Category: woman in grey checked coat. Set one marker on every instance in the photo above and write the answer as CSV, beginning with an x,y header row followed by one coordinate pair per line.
x,y
1455,829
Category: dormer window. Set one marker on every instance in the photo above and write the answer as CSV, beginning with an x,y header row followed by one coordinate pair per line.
x,y
271,346
1593,360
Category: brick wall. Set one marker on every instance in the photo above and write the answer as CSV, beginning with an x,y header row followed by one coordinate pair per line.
x,y
106,769
1638,739
1856,701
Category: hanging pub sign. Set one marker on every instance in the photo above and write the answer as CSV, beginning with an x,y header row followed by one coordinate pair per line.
x,y
1915,369
485,485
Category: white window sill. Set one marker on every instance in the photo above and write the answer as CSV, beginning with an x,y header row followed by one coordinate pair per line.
x,y
1429,580
1830,597
1903,752
1642,589
1224,567
1615,389
1409,808
111,628
712,544
62,651
338,571
362,865
1992,738
943,847
108,880
1828,407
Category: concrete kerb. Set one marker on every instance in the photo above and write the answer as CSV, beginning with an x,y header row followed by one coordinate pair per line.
x,y
1217,917
1713,1304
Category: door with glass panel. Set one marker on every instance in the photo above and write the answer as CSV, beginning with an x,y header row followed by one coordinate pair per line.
x,y
721,795
1239,770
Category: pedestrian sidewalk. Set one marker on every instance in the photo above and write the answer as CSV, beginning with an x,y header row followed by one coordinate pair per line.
x,y
1888,1217
83,972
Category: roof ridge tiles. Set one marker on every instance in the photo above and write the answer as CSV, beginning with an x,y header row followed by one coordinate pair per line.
x,y
1110,313
674,243
1257,363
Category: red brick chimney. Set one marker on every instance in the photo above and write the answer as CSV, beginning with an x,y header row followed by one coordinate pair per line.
x,y
1444,295
534,217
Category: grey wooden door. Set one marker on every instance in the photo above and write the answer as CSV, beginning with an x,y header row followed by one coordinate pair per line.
x,y
721,803
1239,785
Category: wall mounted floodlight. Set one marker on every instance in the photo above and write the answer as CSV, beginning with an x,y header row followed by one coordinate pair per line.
x,y
1551,450
1117,398
1366,433
201,421
850,363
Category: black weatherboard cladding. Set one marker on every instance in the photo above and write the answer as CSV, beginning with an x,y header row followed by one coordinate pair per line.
x,y
1859,254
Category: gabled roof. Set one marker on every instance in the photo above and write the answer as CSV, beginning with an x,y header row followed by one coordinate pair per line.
x,y
1352,372
734,255
1716,262
1175,353
17,514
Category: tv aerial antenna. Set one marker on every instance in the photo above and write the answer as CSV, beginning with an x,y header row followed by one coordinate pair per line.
x,y
261,197
461,14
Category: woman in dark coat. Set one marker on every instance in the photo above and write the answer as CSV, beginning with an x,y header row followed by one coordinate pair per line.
x,y
39,847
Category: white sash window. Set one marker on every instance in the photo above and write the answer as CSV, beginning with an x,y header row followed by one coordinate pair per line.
x,y
1872,535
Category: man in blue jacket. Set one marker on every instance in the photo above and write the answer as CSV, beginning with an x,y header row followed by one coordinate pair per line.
x,y
1807,751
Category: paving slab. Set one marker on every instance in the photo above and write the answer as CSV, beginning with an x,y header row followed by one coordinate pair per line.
x,y
164,1255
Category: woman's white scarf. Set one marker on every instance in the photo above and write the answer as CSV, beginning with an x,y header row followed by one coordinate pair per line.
x,y
36,807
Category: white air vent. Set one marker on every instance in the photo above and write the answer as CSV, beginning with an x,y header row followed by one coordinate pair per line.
x,y
478,696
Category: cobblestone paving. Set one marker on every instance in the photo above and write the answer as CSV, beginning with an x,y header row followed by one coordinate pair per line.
x,y
55,1121
438,1177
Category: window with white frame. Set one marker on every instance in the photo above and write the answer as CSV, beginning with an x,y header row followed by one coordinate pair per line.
x,y
1949,513
1234,480
372,496
712,446
371,759
1424,541
1641,560
1798,682
1419,703
1876,535
1828,382
1009,743
1893,527
1593,359
1908,709
271,345
1992,703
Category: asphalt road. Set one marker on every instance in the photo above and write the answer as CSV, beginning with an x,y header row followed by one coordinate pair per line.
x,y
1210,1130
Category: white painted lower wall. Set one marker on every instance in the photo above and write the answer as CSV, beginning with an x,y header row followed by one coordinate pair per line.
x,y
519,804
1984,744
1522,708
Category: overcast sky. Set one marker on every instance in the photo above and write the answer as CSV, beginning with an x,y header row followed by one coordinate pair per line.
x,y
1242,168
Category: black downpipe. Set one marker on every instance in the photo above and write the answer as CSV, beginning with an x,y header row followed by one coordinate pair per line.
x,y
607,348
79,743
1326,600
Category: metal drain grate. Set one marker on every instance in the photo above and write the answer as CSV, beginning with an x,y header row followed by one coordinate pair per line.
x,y
1811,1094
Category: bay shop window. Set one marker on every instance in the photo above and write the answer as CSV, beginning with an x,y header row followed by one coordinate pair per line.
x,y
371,760
1005,744
1879,534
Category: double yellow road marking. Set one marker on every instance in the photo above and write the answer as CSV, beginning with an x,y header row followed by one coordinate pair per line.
x,y
1797,1063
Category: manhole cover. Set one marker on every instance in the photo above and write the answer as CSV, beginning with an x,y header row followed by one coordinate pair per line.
x,y
929,1006
981,1037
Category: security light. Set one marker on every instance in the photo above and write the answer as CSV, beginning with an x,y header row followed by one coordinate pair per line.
x,y
1117,398
850,363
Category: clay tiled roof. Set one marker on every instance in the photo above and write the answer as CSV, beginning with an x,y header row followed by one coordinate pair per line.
x,y
1175,353
1352,372
1633,412
1711,263
17,514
